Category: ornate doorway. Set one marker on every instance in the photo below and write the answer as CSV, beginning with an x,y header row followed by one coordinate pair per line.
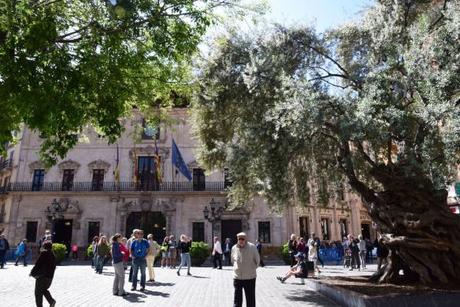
x,y
230,228
149,222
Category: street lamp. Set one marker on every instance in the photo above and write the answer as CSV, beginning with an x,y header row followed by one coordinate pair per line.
x,y
214,215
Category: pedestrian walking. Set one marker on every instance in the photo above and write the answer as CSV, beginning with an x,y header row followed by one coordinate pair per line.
x,y
362,251
382,253
217,254
354,248
172,253
102,250
165,252
117,262
128,246
4,247
313,255
184,245
259,250
318,247
74,252
21,252
125,251
153,251
227,251
94,249
245,260
43,272
139,249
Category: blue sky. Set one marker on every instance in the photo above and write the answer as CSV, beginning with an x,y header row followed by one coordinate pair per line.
x,y
321,13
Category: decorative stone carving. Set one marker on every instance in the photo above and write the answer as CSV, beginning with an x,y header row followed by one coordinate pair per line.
x,y
99,164
148,151
192,165
36,165
69,164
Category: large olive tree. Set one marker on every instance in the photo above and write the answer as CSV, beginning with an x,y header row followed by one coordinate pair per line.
x,y
68,64
294,114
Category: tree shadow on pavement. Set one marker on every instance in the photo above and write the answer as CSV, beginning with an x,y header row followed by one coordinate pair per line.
x,y
309,296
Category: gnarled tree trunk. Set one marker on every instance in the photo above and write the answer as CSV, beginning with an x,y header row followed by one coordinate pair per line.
x,y
422,234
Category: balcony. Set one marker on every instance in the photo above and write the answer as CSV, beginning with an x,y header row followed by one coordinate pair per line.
x,y
6,164
115,187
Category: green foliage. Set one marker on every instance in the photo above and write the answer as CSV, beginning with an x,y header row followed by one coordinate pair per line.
x,y
68,64
199,252
284,250
59,251
374,104
89,251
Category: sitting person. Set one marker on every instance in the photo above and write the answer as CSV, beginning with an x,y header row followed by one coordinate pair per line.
x,y
299,270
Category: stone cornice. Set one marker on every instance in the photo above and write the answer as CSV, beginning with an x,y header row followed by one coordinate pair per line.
x,y
99,164
69,164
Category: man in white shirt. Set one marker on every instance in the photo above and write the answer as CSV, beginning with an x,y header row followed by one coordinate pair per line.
x,y
217,253
245,258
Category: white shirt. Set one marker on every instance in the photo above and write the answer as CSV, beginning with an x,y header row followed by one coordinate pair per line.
x,y
217,248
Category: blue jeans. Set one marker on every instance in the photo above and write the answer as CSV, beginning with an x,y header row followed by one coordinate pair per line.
x,y
185,258
139,263
99,263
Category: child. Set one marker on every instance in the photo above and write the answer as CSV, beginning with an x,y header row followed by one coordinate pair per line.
x,y
74,249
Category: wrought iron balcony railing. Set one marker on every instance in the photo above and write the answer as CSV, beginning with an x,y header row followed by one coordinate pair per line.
x,y
115,186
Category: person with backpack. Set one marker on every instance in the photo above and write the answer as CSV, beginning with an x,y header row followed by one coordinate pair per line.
x,y
21,252
43,272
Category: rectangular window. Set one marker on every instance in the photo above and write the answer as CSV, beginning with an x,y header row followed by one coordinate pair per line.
x,y
343,228
199,180
37,181
31,231
146,173
93,230
98,180
264,232
303,226
325,228
67,180
227,181
198,232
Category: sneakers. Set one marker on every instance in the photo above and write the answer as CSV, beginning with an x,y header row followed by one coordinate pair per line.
x,y
188,273
142,289
133,289
280,279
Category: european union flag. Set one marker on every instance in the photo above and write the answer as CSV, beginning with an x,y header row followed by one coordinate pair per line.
x,y
178,162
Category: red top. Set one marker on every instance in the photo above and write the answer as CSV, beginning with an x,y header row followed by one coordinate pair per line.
x,y
125,252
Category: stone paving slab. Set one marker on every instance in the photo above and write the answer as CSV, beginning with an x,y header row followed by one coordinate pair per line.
x,y
78,285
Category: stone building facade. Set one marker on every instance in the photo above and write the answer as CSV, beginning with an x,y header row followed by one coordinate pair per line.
x,y
108,188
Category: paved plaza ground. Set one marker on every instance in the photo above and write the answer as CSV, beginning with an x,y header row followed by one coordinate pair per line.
x,y
78,285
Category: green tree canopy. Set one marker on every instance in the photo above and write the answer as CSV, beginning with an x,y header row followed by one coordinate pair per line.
x,y
68,64
293,113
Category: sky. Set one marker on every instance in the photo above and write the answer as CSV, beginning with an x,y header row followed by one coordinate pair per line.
x,y
321,13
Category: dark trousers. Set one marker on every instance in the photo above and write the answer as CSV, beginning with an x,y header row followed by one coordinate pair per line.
x,y
319,259
2,258
355,262
249,286
227,258
261,263
23,259
41,289
217,258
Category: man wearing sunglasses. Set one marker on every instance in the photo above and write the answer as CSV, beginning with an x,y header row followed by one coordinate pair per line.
x,y
245,258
